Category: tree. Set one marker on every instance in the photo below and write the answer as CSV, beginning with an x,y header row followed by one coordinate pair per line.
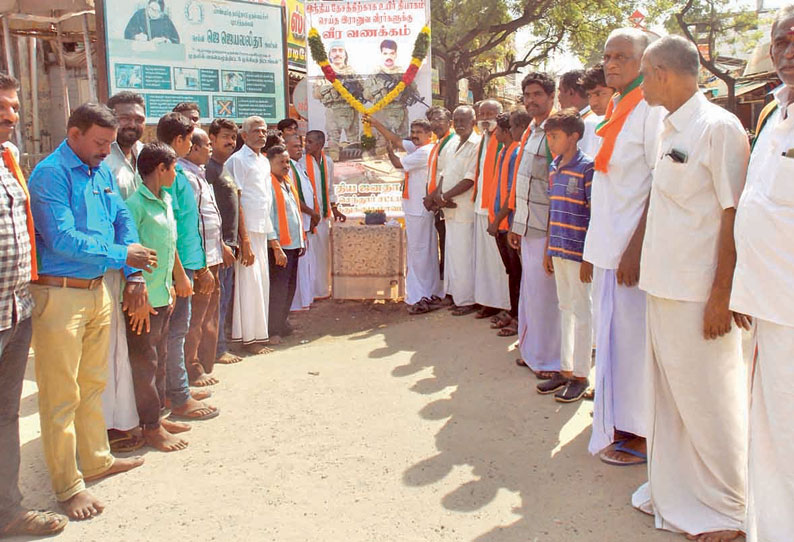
x,y
468,32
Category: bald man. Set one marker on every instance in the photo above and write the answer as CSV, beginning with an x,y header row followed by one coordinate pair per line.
x,y
697,443
490,280
621,185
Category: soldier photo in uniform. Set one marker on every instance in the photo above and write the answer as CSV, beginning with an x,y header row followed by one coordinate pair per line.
x,y
395,115
339,116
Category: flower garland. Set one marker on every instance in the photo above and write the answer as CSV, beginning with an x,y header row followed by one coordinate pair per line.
x,y
317,49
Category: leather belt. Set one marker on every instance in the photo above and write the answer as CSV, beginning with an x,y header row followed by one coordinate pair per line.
x,y
68,282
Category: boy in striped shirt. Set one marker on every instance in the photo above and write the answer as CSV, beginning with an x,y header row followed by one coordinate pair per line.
x,y
570,177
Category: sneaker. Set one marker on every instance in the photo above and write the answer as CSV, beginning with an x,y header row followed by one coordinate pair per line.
x,y
572,392
553,384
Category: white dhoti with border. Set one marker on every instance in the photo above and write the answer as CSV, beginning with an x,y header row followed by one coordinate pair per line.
x,y
697,439
422,278
538,309
321,249
623,378
770,498
490,277
304,285
118,399
459,262
252,294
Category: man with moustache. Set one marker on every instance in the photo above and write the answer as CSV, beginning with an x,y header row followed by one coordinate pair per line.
x,y
83,228
441,123
118,399
762,289
490,280
621,184
17,268
223,137
538,311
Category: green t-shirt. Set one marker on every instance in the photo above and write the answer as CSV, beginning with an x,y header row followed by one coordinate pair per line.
x,y
157,229
189,242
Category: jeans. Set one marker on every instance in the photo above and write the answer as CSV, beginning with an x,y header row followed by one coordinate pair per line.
x,y
14,346
148,355
176,383
283,281
226,278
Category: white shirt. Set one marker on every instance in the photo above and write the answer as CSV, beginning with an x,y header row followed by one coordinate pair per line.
x,y
763,284
679,252
415,165
618,197
305,188
251,172
317,180
210,225
590,142
460,162
126,176
531,216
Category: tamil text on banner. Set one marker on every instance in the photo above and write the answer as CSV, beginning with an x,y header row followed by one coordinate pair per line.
x,y
369,46
226,56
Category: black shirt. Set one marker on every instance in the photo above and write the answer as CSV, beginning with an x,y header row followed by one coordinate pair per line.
x,y
228,200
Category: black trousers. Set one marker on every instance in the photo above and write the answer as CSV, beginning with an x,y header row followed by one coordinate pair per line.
x,y
148,358
283,281
512,262
441,229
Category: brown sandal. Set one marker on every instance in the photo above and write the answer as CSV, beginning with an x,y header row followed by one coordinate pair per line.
x,y
36,523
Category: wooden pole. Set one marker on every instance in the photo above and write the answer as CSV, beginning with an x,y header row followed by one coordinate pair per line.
x,y
62,62
11,71
34,94
101,51
89,61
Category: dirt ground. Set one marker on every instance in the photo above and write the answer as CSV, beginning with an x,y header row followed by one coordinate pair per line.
x,y
371,426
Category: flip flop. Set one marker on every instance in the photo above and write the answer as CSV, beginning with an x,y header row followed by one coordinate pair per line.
x,y
504,322
507,331
420,307
620,446
463,311
188,418
540,375
126,443
35,523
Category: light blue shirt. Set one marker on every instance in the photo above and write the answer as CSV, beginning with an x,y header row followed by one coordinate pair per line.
x,y
293,218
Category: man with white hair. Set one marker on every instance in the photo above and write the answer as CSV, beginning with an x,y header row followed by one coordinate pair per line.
x,y
251,171
621,184
762,288
697,444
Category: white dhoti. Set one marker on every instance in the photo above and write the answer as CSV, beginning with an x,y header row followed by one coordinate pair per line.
x,y
252,294
697,442
118,399
770,497
304,285
623,377
538,310
422,278
321,249
459,262
490,277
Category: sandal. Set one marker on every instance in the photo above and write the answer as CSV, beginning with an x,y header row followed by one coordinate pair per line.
x,y
620,446
227,358
126,442
420,307
463,311
507,331
540,375
486,312
503,322
36,523
192,416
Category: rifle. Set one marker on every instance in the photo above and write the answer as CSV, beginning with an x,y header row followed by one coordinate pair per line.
x,y
408,97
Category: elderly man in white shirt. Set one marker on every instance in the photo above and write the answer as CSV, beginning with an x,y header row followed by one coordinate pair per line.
x,y
453,195
538,308
762,289
310,218
697,444
621,185
251,171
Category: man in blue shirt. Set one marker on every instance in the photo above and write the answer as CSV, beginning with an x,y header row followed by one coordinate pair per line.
x,y
83,229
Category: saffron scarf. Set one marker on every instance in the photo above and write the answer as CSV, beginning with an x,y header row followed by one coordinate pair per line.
x,y
297,177
326,210
489,171
284,238
432,161
504,169
524,138
10,162
613,122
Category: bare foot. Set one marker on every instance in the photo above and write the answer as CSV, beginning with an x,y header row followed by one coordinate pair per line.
x,y
83,506
257,349
194,410
204,380
174,427
120,464
716,536
227,358
162,440
200,395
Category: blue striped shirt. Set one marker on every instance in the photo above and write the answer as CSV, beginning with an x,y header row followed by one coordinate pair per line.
x,y
569,214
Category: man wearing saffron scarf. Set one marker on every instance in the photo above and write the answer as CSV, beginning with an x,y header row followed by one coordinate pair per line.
x,y
17,268
621,184
490,280
441,123
538,312
320,169
285,242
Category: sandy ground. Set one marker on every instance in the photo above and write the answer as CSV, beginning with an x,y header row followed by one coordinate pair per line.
x,y
372,426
